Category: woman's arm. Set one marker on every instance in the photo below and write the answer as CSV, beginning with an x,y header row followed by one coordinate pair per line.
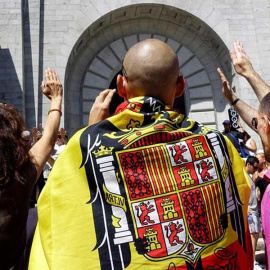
x,y
40,152
253,146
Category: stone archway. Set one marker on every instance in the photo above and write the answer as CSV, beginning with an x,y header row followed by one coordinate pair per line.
x,y
97,56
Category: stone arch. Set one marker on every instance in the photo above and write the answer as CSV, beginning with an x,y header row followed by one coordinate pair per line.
x,y
97,57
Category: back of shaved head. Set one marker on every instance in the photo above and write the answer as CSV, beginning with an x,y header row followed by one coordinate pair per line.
x,y
152,68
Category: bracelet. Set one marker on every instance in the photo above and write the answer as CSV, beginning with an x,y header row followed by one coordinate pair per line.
x,y
235,101
55,110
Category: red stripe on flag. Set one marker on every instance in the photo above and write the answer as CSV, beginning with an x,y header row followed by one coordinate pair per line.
x,y
148,160
209,202
167,179
156,172
213,207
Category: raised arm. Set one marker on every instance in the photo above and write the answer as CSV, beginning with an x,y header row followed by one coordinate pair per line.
x,y
101,108
52,88
243,67
245,111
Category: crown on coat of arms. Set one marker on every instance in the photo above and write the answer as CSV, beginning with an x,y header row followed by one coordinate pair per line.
x,y
167,201
196,142
149,232
184,170
103,151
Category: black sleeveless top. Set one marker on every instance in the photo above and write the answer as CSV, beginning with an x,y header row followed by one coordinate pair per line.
x,y
262,185
14,205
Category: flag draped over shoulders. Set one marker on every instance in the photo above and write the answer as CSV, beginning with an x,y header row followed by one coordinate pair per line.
x,y
63,225
149,188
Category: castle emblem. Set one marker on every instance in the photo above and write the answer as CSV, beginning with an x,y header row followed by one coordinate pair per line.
x,y
186,179
199,151
152,239
168,209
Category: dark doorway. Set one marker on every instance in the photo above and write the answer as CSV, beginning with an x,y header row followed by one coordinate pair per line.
x,y
179,103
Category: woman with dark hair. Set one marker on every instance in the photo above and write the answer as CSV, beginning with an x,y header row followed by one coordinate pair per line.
x,y
258,176
249,145
20,168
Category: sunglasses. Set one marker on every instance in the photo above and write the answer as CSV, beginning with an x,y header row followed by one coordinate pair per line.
x,y
255,121
255,167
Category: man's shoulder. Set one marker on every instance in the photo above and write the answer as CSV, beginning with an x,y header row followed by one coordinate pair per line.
x,y
197,128
76,137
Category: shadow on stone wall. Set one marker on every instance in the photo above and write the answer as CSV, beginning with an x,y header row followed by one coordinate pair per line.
x,y
10,88
30,112
33,107
41,58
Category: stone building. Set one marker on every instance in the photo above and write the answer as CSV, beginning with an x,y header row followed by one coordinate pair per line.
x,y
86,40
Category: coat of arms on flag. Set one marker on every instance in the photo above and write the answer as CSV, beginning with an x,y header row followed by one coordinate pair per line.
x,y
175,196
163,194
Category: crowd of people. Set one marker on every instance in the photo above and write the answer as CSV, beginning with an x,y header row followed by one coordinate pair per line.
x,y
144,188
60,144
256,166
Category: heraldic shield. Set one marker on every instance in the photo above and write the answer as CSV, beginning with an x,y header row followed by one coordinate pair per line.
x,y
175,197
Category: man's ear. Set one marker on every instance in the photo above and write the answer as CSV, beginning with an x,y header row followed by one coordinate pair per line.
x,y
180,86
121,86
267,124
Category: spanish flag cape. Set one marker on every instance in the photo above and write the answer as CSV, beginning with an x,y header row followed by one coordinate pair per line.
x,y
145,189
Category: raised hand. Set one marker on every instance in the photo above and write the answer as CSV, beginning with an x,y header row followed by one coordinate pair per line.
x,y
62,131
244,110
40,127
36,135
34,131
52,87
226,88
101,108
240,60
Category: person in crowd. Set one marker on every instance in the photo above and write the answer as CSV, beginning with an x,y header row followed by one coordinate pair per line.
x,y
234,135
64,136
258,120
147,187
243,67
26,136
258,176
20,167
60,144
62,140
249,145
263,126
253,213
36,135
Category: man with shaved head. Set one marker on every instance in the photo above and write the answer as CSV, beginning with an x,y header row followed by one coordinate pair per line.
x,y
146,188
152,69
